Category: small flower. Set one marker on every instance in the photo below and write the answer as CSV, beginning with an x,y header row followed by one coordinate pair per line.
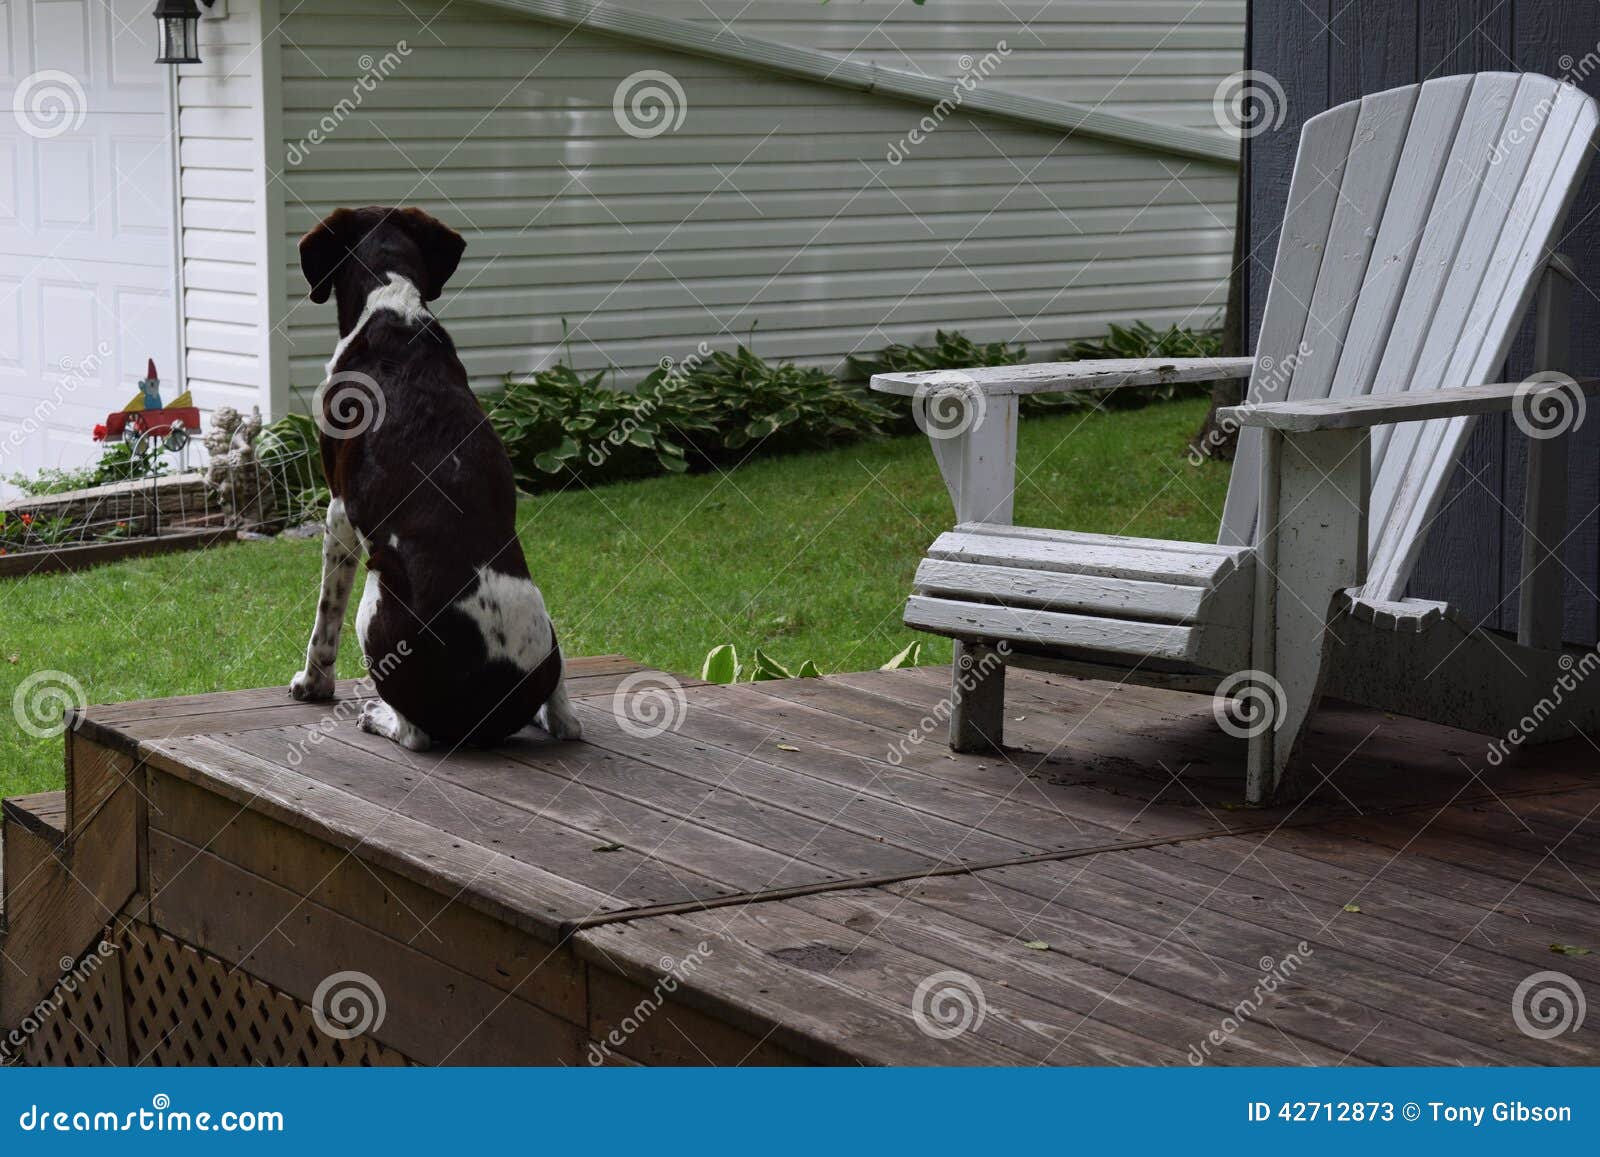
x,y
27,520
100,432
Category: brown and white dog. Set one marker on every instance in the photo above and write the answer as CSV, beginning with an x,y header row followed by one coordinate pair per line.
x,y
453,631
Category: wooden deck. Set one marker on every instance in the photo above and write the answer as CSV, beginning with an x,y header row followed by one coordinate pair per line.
x,y
788,876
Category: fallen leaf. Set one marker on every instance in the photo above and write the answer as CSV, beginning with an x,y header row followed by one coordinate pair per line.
x,y
1570,950
608,848
1036,945
13,658
787,747
1352,907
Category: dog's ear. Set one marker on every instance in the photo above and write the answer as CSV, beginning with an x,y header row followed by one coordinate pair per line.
x,y
322,251
441,248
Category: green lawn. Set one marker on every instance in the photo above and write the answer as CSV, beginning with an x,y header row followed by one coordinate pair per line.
x,y
805,557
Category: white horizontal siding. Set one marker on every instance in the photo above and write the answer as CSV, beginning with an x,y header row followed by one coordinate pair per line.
x,y
219,158
1159,59
772,207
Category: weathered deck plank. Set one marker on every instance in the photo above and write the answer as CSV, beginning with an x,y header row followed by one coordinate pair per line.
x,y
818,853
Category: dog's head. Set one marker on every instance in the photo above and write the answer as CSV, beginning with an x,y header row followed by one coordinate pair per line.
x,y
355,250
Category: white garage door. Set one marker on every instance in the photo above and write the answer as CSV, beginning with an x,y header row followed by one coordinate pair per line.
x,y
86,248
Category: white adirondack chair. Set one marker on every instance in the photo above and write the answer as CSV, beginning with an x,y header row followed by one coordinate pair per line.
x,y
1418,228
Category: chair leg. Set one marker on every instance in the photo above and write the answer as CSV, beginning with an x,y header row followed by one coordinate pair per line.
x,y
1311,547
977,698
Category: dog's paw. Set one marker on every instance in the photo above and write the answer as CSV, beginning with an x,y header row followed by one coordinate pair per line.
x,y
308,686
378,718
559,722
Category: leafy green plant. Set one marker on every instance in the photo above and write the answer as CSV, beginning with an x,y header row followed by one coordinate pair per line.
x,y
118,463
722,665
121,463
739,398
909,657
951,350
290,450
1141,340
558,424
27,531
52,481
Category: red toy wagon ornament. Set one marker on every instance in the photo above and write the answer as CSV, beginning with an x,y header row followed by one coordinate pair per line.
x,y
146,416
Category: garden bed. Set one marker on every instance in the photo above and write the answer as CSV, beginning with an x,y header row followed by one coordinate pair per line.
x,y
75,529
60,559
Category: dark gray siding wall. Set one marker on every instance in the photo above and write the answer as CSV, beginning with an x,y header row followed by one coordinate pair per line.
x,y
1325,52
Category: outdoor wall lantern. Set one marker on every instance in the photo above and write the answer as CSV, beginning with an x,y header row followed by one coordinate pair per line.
x,y
178,25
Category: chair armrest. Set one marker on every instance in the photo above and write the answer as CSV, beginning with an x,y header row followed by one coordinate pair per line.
x,y
1067,377
1414,406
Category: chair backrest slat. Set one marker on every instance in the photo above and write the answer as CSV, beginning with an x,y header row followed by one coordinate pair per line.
x,y
1418,222
1313,193
1381,132
1529,223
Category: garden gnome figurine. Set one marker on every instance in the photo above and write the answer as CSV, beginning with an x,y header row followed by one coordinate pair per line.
x,y
150,387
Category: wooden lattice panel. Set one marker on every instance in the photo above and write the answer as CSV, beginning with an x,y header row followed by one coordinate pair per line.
x,y
80,1023
157,1001
187,1007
